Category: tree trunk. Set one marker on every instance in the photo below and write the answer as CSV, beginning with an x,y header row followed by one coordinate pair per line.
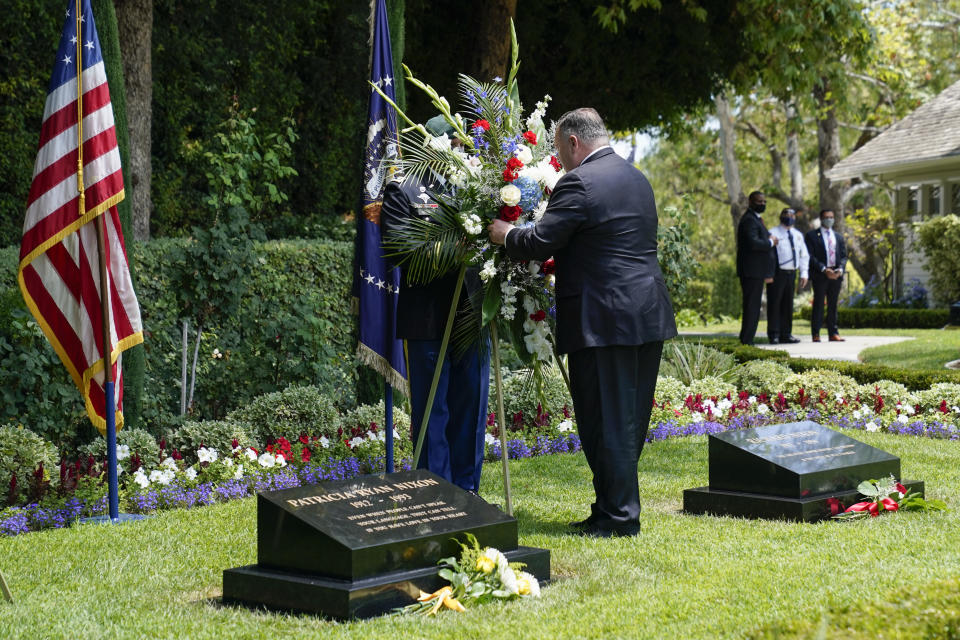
x,y
828,150
493,39
793,152
135,25
731,168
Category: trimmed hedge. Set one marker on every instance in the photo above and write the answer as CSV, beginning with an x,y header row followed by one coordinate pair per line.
x,y
913,379
887,318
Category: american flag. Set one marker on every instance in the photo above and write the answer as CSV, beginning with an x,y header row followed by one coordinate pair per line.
x,y
59,272
376,283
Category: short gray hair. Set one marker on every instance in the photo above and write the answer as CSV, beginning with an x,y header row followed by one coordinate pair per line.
x,y
585,123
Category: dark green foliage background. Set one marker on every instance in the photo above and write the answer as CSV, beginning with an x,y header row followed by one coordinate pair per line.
x,y
293,326
887,318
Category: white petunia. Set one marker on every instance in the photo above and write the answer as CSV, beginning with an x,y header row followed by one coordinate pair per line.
x,y
238,473
267,460
206,454
324,442
141,478
564,426
251,455
489,438
903,418
872,426
762,409
169,463
281,461
752,400
123,452
191,473
356,442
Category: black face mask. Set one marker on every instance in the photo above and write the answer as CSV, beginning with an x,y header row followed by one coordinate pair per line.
x,y
759,208
787,220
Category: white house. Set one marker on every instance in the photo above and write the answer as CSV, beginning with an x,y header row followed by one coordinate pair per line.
x,y
919,159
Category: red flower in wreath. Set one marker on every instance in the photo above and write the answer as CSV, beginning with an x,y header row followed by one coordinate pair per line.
x,y
530,137
481,124
510,175
538,316
510,214
548,267
555,163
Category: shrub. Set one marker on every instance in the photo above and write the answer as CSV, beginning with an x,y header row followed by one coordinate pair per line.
x,y
891,392
21,453
726,298
711,387
141,443
939,238
887,318
760,376
520,393
289,413
941,392
688,361
214,434
670,390
364,415
688,318
698,298
815,380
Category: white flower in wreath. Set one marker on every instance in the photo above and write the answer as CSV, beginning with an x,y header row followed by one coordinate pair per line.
x,y
441,143
539,211
458,179
489,271
529,304
528,585
524,154
510,195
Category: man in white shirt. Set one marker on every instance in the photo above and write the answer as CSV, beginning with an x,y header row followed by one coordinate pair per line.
x,y
792,256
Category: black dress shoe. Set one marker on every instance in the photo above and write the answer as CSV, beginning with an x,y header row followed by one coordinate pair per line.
x,y
790,340
774,341
583,524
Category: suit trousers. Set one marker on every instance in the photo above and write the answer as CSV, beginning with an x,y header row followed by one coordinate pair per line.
x,y
454,444
780,304
825,289
752,299
612,391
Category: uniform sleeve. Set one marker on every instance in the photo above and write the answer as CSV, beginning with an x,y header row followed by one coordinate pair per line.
x,y
395,209
565,213
804,265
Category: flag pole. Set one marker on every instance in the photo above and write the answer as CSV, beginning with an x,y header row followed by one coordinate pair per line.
x,y
108,393
388,424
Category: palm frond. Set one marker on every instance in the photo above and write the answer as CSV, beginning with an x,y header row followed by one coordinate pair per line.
x,y
467,328
430,248
420,158
490,101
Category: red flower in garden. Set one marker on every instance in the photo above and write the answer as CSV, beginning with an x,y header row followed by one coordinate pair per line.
x,y
305,455
234,443
176,455
491,419
481,124
538,316
555,163
530,137
549,267
304,439
943,406
510,214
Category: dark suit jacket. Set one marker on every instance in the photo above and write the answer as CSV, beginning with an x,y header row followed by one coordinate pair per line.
x,y
818,251
756,257
601,228
422,309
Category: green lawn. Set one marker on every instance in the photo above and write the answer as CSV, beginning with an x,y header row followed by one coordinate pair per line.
x,y
683,577
930,348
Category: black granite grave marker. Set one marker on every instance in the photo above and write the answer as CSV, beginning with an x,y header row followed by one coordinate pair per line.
x,y
361,547
797,471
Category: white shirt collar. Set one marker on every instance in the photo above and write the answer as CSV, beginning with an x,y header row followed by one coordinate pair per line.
x,y
606,146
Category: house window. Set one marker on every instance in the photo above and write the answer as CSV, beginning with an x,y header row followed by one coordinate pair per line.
x,y
933,201
913,201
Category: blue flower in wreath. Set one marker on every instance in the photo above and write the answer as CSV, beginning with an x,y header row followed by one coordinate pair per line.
x,y
530,192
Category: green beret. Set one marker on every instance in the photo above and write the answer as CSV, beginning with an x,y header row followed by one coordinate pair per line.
x,y
438,125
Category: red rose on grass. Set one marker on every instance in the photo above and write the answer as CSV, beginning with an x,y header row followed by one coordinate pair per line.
x,y
860,506
901,488
509,214
538,316
549,267
555,163
530,137
481,124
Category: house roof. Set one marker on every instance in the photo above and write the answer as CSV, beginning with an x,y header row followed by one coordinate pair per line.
x,y
930,133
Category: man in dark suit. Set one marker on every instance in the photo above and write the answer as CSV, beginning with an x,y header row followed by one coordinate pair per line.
x,y
454,445
613,309
756,259
828,259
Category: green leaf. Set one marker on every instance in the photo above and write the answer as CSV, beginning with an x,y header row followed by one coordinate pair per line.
x,y
491,302
868,489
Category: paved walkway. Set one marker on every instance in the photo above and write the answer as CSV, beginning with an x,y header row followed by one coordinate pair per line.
x,y
806,348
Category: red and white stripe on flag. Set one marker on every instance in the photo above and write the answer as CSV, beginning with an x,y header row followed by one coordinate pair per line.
x,y
59,272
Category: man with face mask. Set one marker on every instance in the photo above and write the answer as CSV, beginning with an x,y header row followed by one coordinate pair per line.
x,y
756,257
792,257
828,259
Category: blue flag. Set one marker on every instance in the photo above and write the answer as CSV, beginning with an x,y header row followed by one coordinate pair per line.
x,y
376,283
